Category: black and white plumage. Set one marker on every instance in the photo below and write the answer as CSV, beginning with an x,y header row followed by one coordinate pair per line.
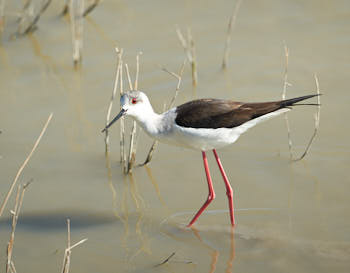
x,y
204,124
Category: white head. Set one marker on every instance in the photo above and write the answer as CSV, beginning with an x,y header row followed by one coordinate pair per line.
x,y
134,104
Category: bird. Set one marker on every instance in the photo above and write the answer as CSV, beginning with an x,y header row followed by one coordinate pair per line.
x,y
204,125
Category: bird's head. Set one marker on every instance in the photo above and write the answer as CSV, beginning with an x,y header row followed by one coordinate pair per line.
x,y
132,103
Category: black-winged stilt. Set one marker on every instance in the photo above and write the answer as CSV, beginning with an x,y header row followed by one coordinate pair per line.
x,y
204,124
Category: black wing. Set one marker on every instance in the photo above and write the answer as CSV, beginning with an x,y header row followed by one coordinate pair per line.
x,y
215,113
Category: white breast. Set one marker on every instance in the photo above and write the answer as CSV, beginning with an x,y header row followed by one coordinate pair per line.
x,y
207,139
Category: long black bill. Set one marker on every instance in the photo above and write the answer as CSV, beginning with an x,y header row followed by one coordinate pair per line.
x,y
121,113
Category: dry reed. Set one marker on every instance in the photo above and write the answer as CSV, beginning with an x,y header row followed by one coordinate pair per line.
x,y
190,51
122,120
172,101
10,267
128,165
26,13
111,102
150,154
87,11
65,8
317,115
24,164
68,251
166,260
76,10
230,27
91,7
179,78
136,84
132,148
128,76
126,162
317,120
132,144
285,85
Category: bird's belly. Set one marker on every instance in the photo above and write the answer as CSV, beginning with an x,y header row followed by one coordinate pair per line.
x,y
202,138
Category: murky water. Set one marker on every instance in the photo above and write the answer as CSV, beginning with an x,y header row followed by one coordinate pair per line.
x,y
290,215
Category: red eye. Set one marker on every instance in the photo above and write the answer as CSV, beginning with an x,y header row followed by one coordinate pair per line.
x,y
133,101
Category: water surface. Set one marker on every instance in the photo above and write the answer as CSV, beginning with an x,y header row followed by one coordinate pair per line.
x,y
289,215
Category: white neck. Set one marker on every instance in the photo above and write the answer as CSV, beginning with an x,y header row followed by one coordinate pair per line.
x,y
150,121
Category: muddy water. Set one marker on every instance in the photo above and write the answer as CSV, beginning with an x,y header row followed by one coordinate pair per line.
x,y
289,215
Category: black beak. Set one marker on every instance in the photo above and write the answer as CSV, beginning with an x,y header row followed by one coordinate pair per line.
x,y
121,113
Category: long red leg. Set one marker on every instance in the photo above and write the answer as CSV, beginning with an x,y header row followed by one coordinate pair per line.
x,y
211,194
229,191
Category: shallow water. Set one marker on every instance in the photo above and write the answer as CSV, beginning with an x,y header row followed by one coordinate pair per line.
x,y
289,215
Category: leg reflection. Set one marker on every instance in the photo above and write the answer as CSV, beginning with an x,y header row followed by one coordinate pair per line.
x,y
215,253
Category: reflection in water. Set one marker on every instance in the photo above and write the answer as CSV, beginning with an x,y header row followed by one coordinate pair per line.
x,y
121,211
49,62
206,243
74,133
290,199
155,185
215,252
138,200
46,221
101,32
232,252
111,186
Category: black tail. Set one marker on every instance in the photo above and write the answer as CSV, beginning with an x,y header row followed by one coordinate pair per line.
x,y
292,102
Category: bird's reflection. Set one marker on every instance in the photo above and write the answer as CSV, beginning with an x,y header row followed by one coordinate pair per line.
x,y
215,253
136,224
180,235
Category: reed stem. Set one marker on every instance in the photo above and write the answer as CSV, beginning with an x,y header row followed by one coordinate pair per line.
x,y
230,27
24,164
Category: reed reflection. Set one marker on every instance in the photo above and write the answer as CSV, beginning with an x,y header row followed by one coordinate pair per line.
x,y
133,221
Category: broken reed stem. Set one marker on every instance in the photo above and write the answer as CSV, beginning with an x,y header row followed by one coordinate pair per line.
x,y
24,16
122,120
68,250
111,104
32,25
15,213
166,260
128,75
230,27
178,77
137,70
132,145
285,85
24,164
90,8
317,120
13,269
132,152
190,52
285,81
65,8
150,154
194,59
76,10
